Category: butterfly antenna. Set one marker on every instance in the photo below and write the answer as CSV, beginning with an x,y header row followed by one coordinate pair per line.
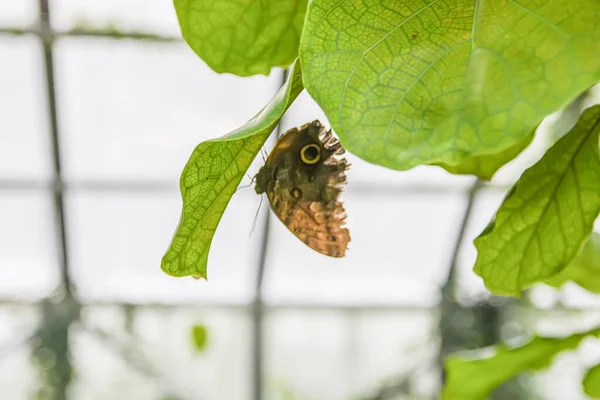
x,y
248,185
256,217
263,153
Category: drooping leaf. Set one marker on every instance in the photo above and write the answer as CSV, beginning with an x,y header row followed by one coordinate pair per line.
x,y
485,166
242,37
548,215
445,82
584,270
199,336
211,176
475,378
591,382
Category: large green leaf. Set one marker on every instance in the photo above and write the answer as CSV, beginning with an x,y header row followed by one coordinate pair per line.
x,y
584,270
211,177
405,83
474,379
591,382
548,216
242,37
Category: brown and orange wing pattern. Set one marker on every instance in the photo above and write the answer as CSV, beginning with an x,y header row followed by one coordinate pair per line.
x,y
305,195
320,225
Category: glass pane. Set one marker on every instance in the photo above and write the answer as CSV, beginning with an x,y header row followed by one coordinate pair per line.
x,y
101,373
155,16
485,205
135,111
294,347
21,13
399,253
149,354
17,324
357,352
17,375
117,241
24,126
17,372
29,257
389,345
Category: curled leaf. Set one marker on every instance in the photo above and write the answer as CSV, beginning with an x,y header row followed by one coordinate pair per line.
x,y
210,178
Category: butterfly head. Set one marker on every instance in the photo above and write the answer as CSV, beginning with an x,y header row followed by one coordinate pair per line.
x,y
262,179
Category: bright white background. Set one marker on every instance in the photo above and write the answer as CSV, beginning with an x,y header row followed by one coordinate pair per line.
x,y
130,113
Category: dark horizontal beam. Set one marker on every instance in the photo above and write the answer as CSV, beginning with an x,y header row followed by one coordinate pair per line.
x,y
172,186
193,304
107,33
284,306
88,185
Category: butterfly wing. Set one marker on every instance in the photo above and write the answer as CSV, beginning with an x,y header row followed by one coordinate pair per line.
x,y
305,197
320,225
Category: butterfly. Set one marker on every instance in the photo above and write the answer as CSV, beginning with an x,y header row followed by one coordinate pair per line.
x,y
303,178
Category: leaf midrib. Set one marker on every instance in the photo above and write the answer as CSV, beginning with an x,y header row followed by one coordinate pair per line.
x,y
188,238
569,165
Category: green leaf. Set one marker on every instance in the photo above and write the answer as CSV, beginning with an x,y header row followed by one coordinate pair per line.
x,y
211,176
242,37
485,166
584,270
547,217
591,382
199,336
474,379
443,82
